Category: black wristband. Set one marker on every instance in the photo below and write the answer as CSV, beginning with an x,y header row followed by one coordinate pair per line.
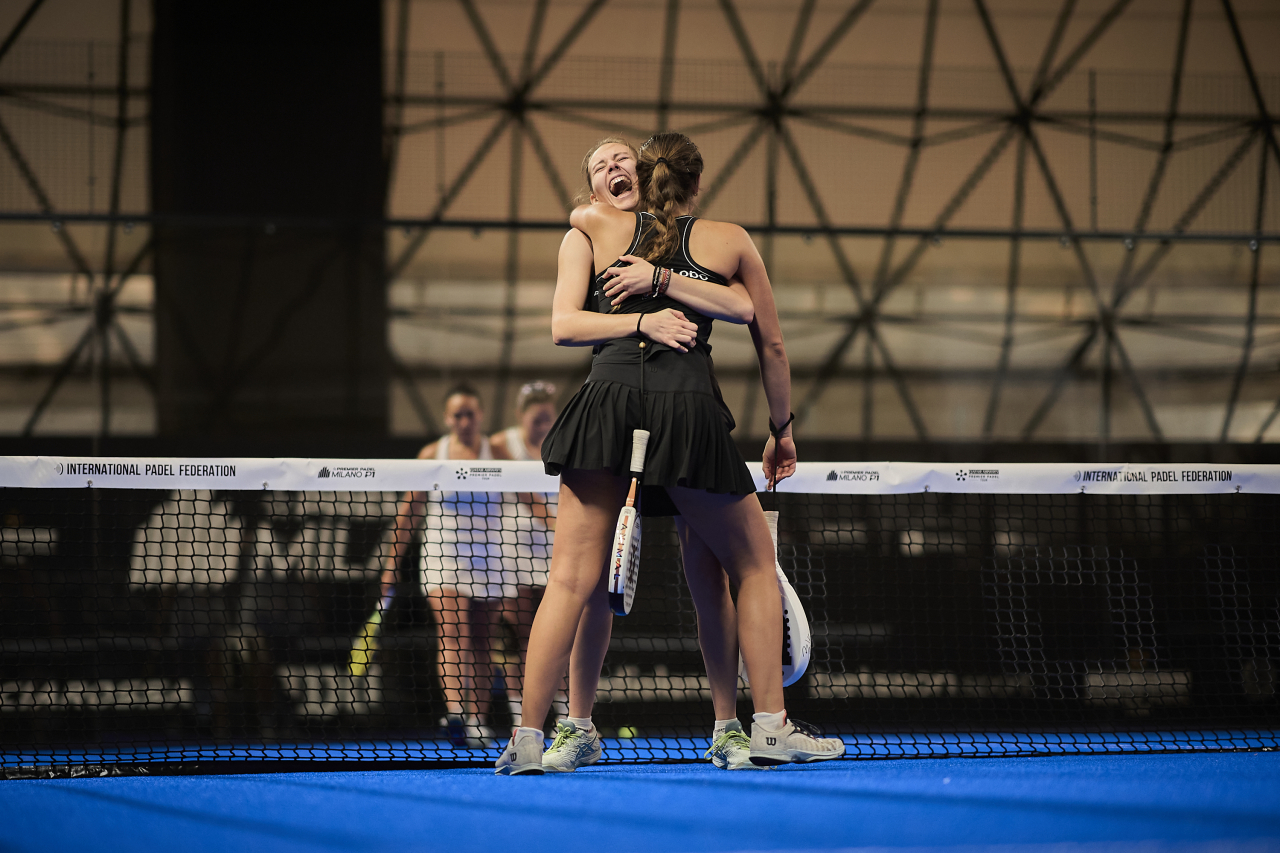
x,y
777,431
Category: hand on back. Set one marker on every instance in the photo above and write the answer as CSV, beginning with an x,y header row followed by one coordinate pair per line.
x,y
628,281
669,327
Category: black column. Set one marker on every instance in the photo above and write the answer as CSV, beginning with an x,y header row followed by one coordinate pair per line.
x,y
267,160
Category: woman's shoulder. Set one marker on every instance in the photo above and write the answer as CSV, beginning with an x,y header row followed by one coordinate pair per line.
x,y
588,216
716,235
720,229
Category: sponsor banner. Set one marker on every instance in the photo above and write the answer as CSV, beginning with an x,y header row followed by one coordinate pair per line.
x,y
1050,478
372,475
309,475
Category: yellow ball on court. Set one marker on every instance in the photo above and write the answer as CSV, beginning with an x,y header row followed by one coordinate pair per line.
x,y
626,732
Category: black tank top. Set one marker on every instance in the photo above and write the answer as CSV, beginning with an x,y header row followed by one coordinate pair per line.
x,y
682,262
666,370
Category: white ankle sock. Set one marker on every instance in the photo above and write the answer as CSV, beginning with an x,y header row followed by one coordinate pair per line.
x,y
770,722
583,724
723,726
455,709
521,730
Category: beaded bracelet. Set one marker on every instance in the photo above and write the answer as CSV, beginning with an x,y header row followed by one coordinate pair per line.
x,y
661,279
664,281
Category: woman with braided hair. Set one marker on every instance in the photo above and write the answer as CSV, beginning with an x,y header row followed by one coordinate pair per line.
x,y
648,317
608,171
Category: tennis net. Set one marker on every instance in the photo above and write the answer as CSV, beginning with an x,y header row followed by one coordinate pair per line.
x,y
210,613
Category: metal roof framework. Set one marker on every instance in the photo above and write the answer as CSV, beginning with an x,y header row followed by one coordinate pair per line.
x,y
861,350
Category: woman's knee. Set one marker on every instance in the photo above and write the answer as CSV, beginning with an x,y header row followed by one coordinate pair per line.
x,y
576,585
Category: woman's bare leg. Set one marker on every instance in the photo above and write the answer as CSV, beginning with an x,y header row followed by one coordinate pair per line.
x,y
717,619
486,628
518,613
451,612
734,530
588,513
590,645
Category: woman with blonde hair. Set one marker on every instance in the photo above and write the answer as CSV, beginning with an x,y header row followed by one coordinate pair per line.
x,y
661,325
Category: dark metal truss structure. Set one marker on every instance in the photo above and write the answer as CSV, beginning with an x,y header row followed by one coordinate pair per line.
x,y
860,351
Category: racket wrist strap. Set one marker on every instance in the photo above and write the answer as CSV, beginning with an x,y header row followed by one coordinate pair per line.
x,y
776,431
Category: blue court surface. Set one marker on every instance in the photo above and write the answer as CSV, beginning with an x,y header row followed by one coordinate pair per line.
x,y
1204,801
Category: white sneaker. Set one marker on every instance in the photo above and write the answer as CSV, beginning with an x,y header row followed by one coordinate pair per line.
x,y
523,755
732,749
572,748
794,743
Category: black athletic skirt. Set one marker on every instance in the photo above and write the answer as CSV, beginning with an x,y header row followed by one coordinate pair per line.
x,y
689,442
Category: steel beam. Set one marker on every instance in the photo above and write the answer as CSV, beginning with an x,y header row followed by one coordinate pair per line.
x,y
47,213
1011,291
18,27
820,54
60,375
103,298
424,229
1251,318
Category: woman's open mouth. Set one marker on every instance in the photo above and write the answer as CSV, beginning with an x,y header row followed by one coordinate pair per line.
x,y
619,185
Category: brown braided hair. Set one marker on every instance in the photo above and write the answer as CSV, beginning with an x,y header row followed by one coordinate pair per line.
x,y
669,168
584,194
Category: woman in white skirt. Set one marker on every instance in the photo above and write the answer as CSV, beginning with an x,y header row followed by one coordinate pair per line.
x,y
462,564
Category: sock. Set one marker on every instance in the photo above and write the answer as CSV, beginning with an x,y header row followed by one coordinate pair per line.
x,y
770,722
723,726
521,730
455,709
582,724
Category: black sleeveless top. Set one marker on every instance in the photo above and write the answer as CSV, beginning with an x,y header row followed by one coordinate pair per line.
x,y
676,399
666,369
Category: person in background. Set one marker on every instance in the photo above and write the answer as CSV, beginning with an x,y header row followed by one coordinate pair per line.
x,y
462,565
528,525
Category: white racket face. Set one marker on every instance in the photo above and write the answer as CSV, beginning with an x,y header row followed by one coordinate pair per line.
x,y
797,642
624,562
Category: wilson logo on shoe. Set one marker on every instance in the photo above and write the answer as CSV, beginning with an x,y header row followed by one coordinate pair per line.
x,y
771,741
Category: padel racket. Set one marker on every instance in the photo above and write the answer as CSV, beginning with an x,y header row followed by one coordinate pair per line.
x,y
366,642
797,642
624,558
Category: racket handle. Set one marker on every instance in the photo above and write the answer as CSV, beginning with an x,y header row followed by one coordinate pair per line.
x,y
639,443
771,516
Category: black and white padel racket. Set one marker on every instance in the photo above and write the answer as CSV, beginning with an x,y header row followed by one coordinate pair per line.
x,y
624,558
797,643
